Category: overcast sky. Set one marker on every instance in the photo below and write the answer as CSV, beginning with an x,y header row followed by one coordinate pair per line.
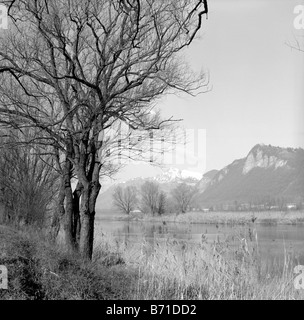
x,y
257,83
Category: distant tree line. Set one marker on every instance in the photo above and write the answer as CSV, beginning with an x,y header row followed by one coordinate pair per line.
x,y
150,199
263,204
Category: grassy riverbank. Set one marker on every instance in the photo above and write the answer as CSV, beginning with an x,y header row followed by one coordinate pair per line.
x,y
235,218
168,270
38,270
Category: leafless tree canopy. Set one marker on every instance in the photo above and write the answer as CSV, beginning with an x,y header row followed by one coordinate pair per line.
x,y
74,69
150,192
183,195
125,199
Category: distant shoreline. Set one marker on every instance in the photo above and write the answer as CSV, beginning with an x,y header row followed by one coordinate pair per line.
x,y
237,218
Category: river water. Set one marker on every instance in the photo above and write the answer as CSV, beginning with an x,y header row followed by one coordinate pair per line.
x,y
274,242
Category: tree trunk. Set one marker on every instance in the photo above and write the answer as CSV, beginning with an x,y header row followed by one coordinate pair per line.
x,y
76,226
68,219
87,213
86,233
65,235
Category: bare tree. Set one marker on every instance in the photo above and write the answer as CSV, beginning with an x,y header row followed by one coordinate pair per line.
x,y
125,199
150,192
74,69
183,195
27,183
162,203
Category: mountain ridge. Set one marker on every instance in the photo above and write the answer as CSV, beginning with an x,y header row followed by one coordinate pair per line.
x,y
266,172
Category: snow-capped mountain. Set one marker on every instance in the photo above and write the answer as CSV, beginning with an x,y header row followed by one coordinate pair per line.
x,y
175,174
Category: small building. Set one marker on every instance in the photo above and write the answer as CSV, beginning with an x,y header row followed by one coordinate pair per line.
x,y
136,211
291,206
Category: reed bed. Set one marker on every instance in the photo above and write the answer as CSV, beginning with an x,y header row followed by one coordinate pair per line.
x,y
231,269
163,269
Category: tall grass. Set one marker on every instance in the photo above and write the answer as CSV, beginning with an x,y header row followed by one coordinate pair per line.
x,y
231,269
164,269
39,270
